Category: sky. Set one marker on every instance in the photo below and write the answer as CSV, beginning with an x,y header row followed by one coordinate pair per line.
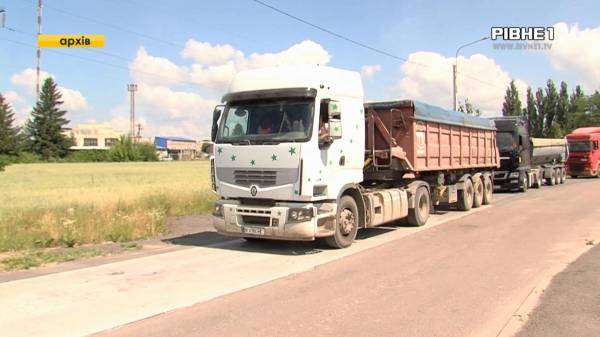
x,y
183,54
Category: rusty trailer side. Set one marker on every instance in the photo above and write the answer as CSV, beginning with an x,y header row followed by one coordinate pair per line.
x,y
413,137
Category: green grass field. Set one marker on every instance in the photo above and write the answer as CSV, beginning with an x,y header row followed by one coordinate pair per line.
x,y
46,205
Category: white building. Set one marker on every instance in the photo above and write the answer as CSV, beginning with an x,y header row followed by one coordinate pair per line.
x,y
93,136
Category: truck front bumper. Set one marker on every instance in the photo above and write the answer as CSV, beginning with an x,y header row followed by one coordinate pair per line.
x,y
503,181
273,222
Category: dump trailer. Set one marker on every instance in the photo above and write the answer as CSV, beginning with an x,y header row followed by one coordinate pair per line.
x,y
527,162
299,156
584,152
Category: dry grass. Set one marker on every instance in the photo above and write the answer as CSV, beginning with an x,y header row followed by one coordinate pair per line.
x,y
45,205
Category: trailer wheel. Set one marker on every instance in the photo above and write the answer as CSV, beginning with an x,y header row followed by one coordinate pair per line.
x,y
488,190
478,193
524,182
418,215
563,176
538,181
346,225
551,181
465,196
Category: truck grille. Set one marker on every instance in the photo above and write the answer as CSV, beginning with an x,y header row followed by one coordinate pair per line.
x,y
255,177
576,167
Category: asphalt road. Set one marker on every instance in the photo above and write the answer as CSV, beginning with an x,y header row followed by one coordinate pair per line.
x,y
570,307
478,275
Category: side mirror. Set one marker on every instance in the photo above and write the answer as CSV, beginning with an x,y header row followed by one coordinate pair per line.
x,y
215,122
335,128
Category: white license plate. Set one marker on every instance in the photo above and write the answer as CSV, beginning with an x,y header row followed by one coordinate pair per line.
x,y
253,230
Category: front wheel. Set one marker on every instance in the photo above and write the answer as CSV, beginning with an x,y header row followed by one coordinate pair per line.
x,y
418,215
346,225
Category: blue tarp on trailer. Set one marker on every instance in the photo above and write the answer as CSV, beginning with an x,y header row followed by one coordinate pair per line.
x,y
432,113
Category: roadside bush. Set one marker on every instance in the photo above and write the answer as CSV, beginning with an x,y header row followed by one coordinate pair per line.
x,y
127,150
88,156
4,161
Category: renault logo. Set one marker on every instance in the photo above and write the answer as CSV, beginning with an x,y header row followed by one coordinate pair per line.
x,y
253,190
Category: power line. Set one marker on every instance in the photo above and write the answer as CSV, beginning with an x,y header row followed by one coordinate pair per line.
x,y
110,25
179,81
377,50
360,44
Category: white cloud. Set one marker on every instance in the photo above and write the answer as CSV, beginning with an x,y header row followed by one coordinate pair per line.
x,y
26,79
206,54
74,101
170,111
158,70
368,70
427,76
577,51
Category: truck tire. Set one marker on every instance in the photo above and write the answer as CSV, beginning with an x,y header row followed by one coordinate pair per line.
x,y
465,196
524,182
538,180
488,190
478,192
598,171
346,225
563,176
551,181
418,215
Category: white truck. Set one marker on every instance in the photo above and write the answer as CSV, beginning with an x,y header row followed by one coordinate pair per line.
x,y
298,155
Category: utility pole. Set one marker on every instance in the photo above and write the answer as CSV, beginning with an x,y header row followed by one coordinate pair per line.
x,y
38,51
455,70
132,88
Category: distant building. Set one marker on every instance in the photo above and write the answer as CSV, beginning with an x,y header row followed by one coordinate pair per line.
x,y
93,136
177,148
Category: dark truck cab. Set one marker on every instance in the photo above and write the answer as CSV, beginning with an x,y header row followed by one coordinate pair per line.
x,y
525,161
515,150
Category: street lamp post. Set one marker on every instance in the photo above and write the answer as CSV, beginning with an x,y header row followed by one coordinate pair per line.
x,y
455,69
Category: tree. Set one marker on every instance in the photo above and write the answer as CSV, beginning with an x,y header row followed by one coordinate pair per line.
x,y
530,112
468,108
549,106
512,102
562,107
8,132
577,110
539,106
44,129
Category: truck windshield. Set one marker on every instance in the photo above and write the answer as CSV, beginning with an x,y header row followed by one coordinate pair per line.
x,y
581,146
267,121
506,141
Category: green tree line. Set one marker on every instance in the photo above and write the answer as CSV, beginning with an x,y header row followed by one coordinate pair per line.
x,y
42,138
553,112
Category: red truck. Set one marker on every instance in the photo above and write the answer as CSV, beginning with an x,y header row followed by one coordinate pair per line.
x,y
584,152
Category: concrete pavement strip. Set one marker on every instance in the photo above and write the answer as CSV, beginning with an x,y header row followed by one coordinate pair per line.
x,y
84,301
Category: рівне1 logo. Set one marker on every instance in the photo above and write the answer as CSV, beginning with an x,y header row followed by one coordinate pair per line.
x,y
522,33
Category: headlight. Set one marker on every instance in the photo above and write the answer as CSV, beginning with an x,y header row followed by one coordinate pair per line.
x,y
300,214
218,210
514,175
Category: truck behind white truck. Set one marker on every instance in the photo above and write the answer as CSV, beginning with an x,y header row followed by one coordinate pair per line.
x,y
298,155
